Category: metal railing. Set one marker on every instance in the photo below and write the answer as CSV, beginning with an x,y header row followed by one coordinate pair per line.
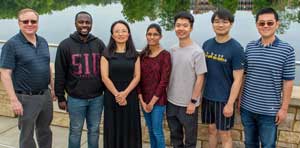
x,y
56,45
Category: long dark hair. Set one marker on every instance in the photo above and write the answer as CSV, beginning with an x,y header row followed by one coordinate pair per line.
x,y
146,51
112,46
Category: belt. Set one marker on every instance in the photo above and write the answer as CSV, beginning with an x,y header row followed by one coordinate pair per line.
x,y
41,92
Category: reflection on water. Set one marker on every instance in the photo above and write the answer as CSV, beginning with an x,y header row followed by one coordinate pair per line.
x,y
57,18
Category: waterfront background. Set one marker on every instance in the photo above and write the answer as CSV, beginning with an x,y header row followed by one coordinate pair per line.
x,y
57,19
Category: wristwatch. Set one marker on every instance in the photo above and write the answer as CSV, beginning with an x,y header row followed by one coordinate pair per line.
x,y
194,101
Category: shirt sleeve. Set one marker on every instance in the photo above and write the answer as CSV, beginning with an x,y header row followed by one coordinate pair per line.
x,y
289,66
165,75
60,73
199,62
8,56
238,58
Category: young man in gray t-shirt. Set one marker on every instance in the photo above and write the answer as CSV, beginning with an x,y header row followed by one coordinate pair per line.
x,y
185,85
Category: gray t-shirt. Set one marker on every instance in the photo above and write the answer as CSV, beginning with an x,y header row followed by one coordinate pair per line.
x,y
187,63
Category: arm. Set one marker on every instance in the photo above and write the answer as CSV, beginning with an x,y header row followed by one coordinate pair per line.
x,y
52,83
196,93
105,77
164,81
234,92
61,68
8,85
134,81
286,98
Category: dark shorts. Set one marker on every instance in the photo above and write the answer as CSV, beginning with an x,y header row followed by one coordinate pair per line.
x,y
212,113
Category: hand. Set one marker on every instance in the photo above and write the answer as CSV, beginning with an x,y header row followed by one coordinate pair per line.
x,y
144,105
122,95
17,107
280,116
63,105
149,107
53,96
228,110
190,109
123,102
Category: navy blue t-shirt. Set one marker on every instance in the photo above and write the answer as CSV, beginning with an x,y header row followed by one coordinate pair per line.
x,y
29,64
221,60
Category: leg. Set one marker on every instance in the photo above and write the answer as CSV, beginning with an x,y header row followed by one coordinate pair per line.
x,y
223,124
77,112
267,131
226,139
190,124
208,117
26,122
43,130
176,128
250,128
149,124
93,119
212,135
157,116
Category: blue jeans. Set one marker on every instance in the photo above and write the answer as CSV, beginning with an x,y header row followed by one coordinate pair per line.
x,y
79,110
258,129
154,121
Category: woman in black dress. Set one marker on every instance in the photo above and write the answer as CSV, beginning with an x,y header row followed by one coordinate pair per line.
x,y
120,71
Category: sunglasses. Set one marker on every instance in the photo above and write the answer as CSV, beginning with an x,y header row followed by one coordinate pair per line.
x,y
269,23
27,21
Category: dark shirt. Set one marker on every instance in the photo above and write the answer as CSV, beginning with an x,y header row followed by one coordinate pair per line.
x,y
155,74
77,67
29,64
221,59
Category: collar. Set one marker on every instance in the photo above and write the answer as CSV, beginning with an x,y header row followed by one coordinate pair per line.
x,y
24,40
274,43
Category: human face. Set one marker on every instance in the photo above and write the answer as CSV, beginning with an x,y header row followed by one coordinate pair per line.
x,y
153,37
221,26
83,24
28,23
267,25
120,33
183,28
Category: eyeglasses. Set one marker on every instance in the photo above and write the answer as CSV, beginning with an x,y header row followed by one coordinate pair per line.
x,y
33,22
263,23
124,31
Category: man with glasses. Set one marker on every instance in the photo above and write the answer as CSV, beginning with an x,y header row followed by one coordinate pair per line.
x,y
25,74
225,64
269,75
77,71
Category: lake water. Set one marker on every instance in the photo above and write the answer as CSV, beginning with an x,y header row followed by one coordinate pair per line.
x,y
57,23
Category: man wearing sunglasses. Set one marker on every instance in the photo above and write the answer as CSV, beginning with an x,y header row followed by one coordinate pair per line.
x,y
269,75
26,74
77,71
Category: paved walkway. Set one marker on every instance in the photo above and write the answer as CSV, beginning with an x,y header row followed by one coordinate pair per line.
x,y
9,135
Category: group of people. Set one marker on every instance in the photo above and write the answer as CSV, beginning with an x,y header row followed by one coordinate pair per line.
x,y
118,79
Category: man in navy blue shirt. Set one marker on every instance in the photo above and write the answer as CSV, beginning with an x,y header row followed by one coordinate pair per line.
x,y
26,74
224,59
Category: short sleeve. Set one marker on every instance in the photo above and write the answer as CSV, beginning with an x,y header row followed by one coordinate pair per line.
x,y
238,59
8,58
289,66
200,64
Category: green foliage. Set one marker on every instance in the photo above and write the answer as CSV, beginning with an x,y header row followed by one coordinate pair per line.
x,y
231,5
10,8
168,9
